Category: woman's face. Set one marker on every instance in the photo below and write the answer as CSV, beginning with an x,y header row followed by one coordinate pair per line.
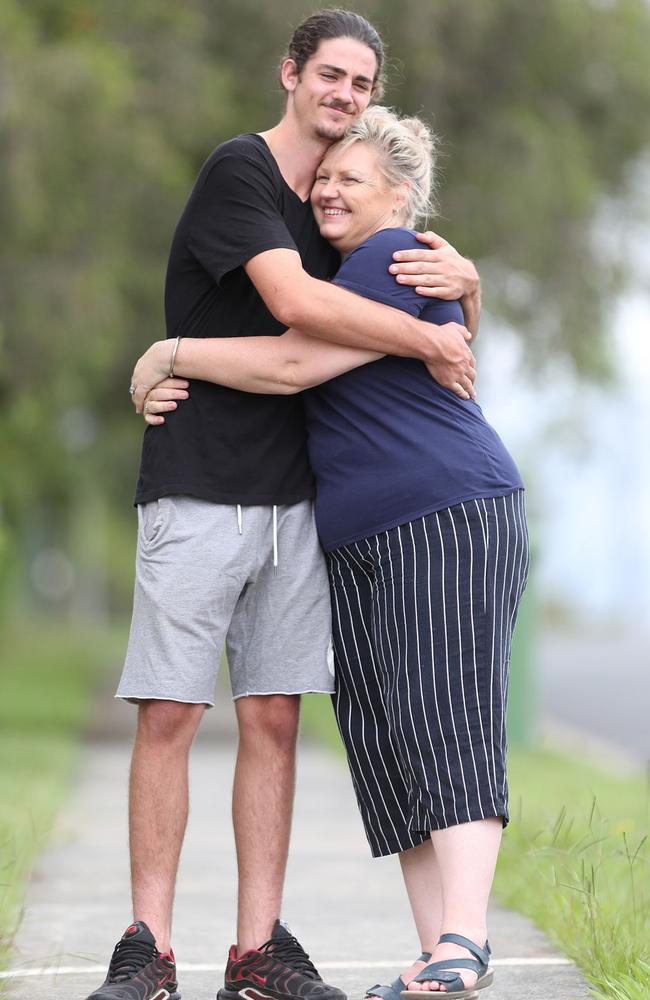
x,y
351,198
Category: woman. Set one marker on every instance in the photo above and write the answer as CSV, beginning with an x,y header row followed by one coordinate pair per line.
x,y
420,510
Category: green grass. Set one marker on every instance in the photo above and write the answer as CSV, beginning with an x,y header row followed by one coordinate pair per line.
x,y
575,858
47,678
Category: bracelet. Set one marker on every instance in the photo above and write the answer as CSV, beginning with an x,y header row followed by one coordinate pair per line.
x,y
171,366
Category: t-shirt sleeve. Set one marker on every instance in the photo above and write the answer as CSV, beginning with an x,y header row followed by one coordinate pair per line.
x,y
365,271
233,214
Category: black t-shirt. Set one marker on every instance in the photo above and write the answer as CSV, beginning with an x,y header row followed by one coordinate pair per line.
x,y
222,444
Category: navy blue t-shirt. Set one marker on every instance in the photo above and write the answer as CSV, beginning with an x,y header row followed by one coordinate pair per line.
x,y
386,442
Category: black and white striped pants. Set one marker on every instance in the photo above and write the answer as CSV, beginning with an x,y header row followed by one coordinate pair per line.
x,y
423,616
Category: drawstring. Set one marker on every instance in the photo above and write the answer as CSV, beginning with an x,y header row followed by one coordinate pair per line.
x,y
240,529
275,538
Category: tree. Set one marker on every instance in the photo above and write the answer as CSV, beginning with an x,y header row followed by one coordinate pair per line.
x,y
108,109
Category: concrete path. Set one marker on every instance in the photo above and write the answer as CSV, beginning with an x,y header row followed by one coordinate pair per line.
x,y
348,910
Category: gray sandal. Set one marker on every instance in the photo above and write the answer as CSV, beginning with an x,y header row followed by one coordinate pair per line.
x,y
438,972
393,991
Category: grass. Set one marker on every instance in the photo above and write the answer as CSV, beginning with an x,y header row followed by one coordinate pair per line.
x,y
575,858
47,677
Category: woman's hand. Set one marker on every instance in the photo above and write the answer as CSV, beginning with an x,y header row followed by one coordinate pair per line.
x,y
438,271
149,370
163,399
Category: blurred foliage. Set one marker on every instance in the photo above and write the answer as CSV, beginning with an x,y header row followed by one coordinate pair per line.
x,y
48,678
107,110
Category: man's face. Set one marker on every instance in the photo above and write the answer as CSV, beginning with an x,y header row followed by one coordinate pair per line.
x,y
333,88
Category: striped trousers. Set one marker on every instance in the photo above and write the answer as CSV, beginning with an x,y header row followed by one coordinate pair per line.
x,y
423,616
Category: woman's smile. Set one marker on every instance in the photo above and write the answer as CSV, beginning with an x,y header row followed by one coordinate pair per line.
x,y
351,197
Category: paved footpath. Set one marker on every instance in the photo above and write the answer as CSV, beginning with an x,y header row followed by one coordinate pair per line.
x,y
347,909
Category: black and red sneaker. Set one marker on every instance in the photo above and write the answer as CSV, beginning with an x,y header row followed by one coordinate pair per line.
x,y
279,970
138,971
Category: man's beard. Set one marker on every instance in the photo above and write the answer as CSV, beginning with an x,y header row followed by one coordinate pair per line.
x,y
331,132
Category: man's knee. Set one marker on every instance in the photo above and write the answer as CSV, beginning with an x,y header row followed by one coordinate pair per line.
x,y
269,719
168,721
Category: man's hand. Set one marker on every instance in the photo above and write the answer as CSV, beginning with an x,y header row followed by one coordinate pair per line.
x,y
451,363
438,271
149,370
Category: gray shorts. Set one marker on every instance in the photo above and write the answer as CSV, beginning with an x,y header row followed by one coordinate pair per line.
x,y
204,574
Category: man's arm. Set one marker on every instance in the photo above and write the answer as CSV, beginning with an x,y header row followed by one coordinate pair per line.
x,y
471,306
323,310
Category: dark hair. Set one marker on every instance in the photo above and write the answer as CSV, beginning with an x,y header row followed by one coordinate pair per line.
x,y
336,23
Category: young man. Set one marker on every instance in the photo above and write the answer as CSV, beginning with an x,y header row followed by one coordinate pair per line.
x,y
226,545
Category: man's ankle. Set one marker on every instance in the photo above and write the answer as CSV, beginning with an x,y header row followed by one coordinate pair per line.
x,y
161,933
252,938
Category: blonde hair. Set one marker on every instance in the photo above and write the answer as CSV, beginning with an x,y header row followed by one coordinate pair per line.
x,y
406,150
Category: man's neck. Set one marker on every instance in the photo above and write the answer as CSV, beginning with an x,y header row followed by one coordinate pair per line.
x,y
298,156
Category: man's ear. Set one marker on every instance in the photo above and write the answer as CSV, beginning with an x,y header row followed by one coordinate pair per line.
x,y
289,74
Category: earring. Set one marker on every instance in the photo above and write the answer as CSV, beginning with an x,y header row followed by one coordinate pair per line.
x,y
395,211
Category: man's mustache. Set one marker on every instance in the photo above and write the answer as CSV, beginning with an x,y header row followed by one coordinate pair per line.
x,y
339,107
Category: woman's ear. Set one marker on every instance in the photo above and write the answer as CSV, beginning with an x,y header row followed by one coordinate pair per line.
x,y
401,197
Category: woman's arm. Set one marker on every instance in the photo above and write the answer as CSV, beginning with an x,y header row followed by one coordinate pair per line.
x,y
283,365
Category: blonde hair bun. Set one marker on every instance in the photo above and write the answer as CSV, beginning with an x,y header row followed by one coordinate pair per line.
x,y
420,130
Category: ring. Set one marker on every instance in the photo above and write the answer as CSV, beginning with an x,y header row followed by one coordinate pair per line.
x,y
132,388
145,408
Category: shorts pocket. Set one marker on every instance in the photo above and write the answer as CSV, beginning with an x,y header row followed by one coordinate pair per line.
x,y
151,518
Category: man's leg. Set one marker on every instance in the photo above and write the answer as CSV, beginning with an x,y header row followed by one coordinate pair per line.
x,y
267,958
277,644
191,568
262,807
142,963
158,806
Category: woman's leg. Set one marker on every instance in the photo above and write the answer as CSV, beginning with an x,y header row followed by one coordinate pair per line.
x,y
436,619
470,562
367,711
421,874
466,857
362,703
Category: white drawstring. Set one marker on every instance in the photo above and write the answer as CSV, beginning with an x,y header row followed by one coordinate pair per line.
x,y
275,537
240,528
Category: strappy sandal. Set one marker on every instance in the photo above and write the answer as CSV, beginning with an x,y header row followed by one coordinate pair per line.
x,y
438,972
393,991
